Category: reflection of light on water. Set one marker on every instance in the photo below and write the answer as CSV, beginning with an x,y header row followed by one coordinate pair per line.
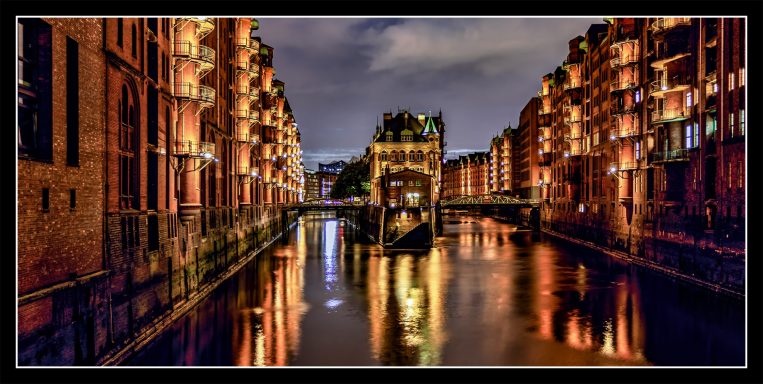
x,y
608,348
259,345
333,303
329,262
582,274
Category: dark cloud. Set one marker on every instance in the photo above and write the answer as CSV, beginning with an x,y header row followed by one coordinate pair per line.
x,y
341,74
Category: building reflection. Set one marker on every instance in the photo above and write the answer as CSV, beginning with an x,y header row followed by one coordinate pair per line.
x,y
406,295
268,328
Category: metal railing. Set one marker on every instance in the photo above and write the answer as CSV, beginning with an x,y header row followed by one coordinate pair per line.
x,y
624,60
662,25
628,165
674,155
669,114
665,85
568,120
572,84
200,149
193,92
617,109
199,53
243,170
204,24
622,84
619,131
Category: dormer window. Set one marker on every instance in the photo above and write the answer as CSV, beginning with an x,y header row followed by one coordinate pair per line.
x,y
389,136
406,138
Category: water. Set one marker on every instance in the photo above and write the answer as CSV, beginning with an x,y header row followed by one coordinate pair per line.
x,y
488,294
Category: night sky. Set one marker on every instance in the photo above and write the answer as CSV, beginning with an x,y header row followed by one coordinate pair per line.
x,y
341,74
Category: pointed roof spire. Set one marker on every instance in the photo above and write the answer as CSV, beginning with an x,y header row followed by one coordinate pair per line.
x,y
429,128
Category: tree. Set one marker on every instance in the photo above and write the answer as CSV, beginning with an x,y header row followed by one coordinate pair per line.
x,y
354,180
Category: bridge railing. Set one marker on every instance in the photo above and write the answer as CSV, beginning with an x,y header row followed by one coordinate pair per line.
x,y
487,200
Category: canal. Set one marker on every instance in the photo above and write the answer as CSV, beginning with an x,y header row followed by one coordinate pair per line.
x,y
488,294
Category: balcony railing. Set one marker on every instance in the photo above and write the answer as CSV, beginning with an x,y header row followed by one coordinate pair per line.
x,y
243,135
204,24
200,54
663,25
242,89
622,84
664,56
571,134
242,113
659,87
195,149
243,170
681,154
672,114
625,165
620,131
544,110
569,120
617,109
572,84
198,93
624,60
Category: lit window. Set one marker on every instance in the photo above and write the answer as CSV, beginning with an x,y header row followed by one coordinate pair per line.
x,y
741,121
731,81
689,137
728,175
688,99
741,77
696,134
740,175
638,96
638,150
731,124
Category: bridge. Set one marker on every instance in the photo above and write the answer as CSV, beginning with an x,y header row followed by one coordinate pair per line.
x,y
323,205
485,201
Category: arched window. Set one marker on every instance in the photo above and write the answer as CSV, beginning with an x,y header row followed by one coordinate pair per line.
x,y
384,156
120,31
134,41
128,177
419,156
393,156
411,156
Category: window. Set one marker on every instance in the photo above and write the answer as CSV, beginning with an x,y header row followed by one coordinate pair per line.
x,y
384,156
741,121
389,136
638,150
35,128
406,138
45,199
731,81
741,77
72,102
740,175
72,199
127,143
731,124
689,137
120,28
418,182
728,175
688,100
410,183
134,41
638,96
411,156
696,135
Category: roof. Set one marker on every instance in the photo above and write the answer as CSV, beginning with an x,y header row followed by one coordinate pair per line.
x,y
406,121
398,173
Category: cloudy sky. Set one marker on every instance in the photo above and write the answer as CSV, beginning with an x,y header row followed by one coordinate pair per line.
x,y
341,74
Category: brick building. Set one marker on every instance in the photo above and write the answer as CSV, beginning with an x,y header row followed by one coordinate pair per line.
x,y
469,175
406,142
166,169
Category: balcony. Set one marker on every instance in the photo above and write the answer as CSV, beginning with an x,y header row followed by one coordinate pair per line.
x,y
620,131
254,116
199,54
572,84
664,25
243,135
668,115
201,94
250,45
204,25
681,154
617,109
242,89
194,149
626,165
243,170
569,120
625,60
621,85
665,56
659,88
542,110
573,151
571,134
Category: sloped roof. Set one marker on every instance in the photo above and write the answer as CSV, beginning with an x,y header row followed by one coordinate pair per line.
x,y
400,123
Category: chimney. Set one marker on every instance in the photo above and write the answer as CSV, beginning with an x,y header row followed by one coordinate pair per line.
x,y
421,118
388,116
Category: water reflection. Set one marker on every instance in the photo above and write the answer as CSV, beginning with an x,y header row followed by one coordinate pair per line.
x,y
488,294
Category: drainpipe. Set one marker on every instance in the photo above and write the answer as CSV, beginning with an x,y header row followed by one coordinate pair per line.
x,y
105,164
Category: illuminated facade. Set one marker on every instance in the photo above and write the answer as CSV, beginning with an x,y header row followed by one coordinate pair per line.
x,y
406,142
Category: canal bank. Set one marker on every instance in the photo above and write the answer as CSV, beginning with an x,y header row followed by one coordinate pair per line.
x,y
732,291
252,241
